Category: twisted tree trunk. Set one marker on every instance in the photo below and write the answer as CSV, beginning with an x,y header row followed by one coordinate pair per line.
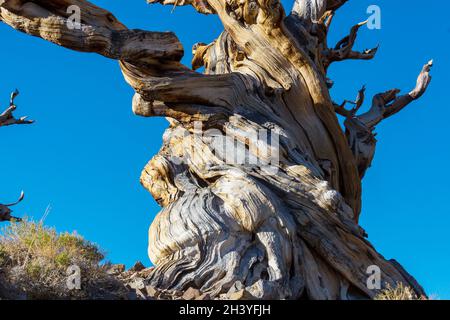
x,y
278,217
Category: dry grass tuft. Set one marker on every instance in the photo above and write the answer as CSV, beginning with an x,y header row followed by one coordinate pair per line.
x,y
400,292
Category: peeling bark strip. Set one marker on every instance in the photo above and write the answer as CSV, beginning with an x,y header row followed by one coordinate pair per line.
x,y
232,230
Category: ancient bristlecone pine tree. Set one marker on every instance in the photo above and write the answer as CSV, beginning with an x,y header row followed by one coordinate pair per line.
x,y
288,233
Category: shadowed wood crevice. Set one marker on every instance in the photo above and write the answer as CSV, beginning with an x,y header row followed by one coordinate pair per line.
x,y
254,228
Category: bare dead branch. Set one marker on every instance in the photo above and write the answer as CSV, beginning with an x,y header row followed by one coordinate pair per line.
x,y
327,19
387,104
344,49
340,109
7,118
149,60
360,128
99,32
5,211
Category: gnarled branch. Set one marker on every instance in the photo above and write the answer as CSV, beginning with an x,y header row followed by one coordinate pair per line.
x,y
340,109
387,104
5,210
360,128
344,49
7,118
149,60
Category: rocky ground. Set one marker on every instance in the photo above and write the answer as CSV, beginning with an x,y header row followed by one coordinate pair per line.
x,y
134,280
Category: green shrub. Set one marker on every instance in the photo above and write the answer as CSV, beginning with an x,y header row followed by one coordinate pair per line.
x,y
34,260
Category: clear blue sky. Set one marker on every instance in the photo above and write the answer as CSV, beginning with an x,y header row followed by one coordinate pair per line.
x,y
85,153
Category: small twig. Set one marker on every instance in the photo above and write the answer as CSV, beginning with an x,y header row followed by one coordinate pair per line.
x,y
41,222
340,109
